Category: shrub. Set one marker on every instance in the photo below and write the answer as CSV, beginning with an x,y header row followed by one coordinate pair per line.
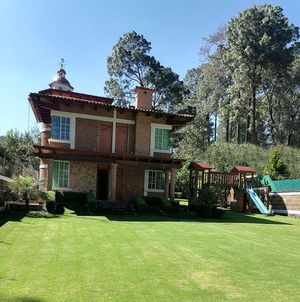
x,y
153,202
90,197
59,197
73,197
276,168
25,188
59,209
205,205
139,204
49,196
50,206
55,208
165,204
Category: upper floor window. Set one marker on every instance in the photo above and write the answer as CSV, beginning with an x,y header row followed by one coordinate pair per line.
x,y
60,127
162,139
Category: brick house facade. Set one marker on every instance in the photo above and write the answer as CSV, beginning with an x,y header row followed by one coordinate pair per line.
x,y
90,145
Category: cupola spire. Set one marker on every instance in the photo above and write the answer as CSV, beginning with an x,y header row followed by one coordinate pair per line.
x,y
60,82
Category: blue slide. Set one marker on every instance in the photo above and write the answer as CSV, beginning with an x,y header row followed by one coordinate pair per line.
x,y
260,205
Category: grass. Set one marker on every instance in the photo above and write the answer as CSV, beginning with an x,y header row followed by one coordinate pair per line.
x,y
149,258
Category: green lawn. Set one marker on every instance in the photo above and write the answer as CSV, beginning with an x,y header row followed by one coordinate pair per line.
x,y
140,258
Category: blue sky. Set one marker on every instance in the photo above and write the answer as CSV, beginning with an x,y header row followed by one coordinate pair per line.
x,y
36,34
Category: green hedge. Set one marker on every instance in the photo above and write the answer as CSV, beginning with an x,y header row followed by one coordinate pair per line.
x,y
146,203
77,197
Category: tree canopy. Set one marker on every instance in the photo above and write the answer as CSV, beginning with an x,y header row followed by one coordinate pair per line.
x,y
247,87
132,65
17,150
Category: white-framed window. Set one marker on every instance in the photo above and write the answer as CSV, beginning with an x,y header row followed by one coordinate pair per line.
x,y
160,138
60,127
154,181
60,174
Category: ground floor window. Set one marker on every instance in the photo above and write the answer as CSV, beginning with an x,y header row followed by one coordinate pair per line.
x,y
156,180
60,174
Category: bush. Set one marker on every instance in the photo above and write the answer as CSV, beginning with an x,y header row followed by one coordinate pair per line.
x,y
59,197
153,202
48,196
50,206
25,188
276,168
139,204
59,209
205,205
75,197
55,208
165,204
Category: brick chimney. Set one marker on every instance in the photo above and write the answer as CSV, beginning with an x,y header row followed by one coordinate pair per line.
x,y
143,98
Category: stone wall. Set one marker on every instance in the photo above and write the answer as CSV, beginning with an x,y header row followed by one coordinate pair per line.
x,y
83,176
285,203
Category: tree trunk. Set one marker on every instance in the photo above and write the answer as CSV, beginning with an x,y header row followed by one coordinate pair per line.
x,y
27,204
271,122
238,132
215,126
247,137
227,131
253,116
208,130
289,138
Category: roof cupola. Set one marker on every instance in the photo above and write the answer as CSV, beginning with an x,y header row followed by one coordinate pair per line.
x,y
60,82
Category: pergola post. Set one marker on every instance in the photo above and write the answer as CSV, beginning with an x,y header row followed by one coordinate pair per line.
x,y
173,181
112,182
167,182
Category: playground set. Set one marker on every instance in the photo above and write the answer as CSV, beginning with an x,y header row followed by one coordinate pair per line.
x,y
237,184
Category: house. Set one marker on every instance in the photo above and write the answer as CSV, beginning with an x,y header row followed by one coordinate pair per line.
x,y
89,144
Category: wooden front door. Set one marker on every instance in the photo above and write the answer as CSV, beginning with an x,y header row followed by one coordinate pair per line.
x,y
121,138
105,137
102,185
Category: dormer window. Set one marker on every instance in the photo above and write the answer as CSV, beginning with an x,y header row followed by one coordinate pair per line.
x,y
60,127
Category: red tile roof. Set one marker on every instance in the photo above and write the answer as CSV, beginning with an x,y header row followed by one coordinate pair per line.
x,y
76,96
42,110
243,169
196,165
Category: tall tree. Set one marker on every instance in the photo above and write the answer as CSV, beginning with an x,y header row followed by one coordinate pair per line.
x,y
258,38
132,65
18,149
